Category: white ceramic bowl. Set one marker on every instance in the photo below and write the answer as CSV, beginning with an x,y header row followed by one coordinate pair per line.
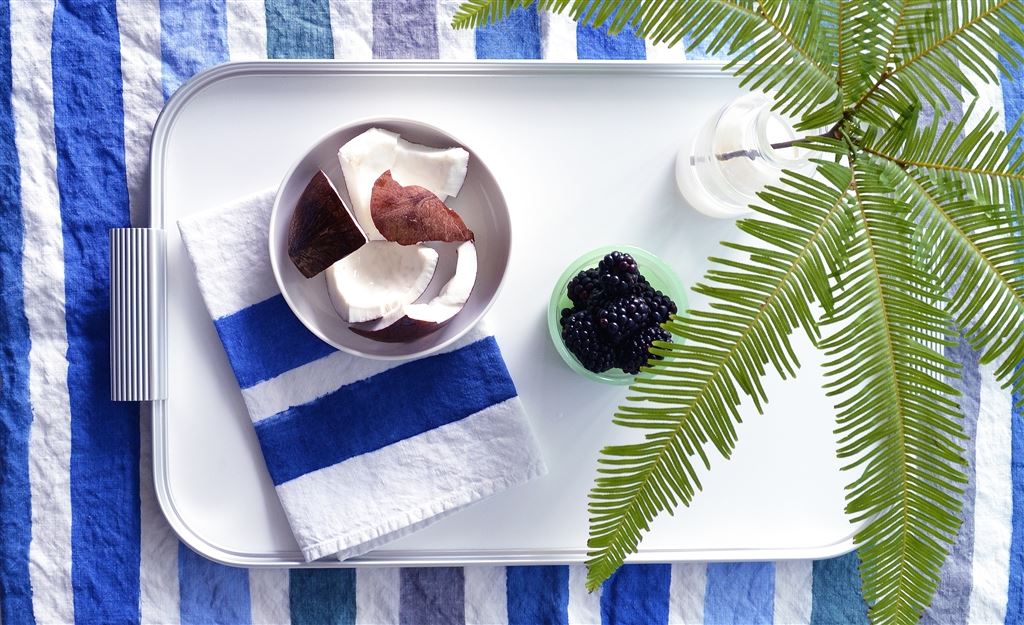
x,y
480,203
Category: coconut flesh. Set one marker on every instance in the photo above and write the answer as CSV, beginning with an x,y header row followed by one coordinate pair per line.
x,y
382,279
418,320
379,278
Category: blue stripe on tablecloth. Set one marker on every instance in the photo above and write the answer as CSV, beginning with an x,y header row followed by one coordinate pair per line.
x,y
211,593
1015,590
1013,108
432,596
15,405
299,29
517,37
952,600
267,339
636,594
739,592
89,132
537,595
835,592
193,36
322,596
596,43
404,29
389,407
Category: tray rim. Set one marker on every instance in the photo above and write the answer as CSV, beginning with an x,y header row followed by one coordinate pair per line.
x,y
162,130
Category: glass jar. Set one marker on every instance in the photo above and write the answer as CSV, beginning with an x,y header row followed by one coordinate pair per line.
x,y
658,273
735,154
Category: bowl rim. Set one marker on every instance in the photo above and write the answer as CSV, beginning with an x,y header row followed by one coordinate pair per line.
x,y
554,308
384,122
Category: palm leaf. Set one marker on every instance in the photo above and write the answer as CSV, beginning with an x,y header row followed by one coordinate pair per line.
x,y
977,254
934,43
776,45
690,398
919,231
897,418
865,37
987,161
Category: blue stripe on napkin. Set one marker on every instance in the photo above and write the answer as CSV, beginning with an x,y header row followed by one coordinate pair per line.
x,y
636,594
267,339
299,29
193,36
210,592
15,409
384,409
517,37
537,595
89,131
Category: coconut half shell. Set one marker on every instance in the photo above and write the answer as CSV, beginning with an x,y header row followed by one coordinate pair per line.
x,y
321,231
413,214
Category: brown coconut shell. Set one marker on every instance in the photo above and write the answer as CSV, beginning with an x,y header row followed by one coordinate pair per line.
x,y
412,214
322,231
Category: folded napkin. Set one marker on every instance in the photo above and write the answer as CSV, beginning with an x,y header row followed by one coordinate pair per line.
x,y
360,451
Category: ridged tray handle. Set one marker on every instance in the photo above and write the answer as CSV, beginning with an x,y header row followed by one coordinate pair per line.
x,y
138,331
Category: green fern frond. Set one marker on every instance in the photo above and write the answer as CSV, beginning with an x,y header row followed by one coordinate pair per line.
x,y
988,162
897,417
865,33
480,13
776,45
690,398
912,234
789,57
977,254
934,45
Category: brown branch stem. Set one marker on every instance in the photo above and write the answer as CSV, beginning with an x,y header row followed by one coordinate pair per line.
x,y
833,133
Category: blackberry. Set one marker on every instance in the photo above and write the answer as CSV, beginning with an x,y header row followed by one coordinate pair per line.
x,y
622,317
618,263
661,307
582,286
618,274
634,353
582,338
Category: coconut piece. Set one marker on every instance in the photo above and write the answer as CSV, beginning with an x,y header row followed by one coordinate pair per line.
x,y
367,156
362,161
412,214
421,319
379,279
321,231
441,171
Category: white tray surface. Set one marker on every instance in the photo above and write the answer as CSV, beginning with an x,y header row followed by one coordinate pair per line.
x,y
585,157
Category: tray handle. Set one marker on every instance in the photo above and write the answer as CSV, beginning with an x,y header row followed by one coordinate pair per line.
x,y
138,329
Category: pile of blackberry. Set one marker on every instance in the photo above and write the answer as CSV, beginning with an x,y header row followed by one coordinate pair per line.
x,y
615,316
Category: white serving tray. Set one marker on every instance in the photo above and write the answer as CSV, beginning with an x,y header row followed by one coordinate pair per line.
x,y
584,153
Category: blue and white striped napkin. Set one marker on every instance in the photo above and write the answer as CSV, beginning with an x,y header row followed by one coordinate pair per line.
x,y
360,451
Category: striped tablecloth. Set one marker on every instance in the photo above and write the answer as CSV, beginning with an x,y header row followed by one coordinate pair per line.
x,y
81,537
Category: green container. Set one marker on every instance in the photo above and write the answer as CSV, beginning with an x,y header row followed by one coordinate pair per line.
x,y
660,275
